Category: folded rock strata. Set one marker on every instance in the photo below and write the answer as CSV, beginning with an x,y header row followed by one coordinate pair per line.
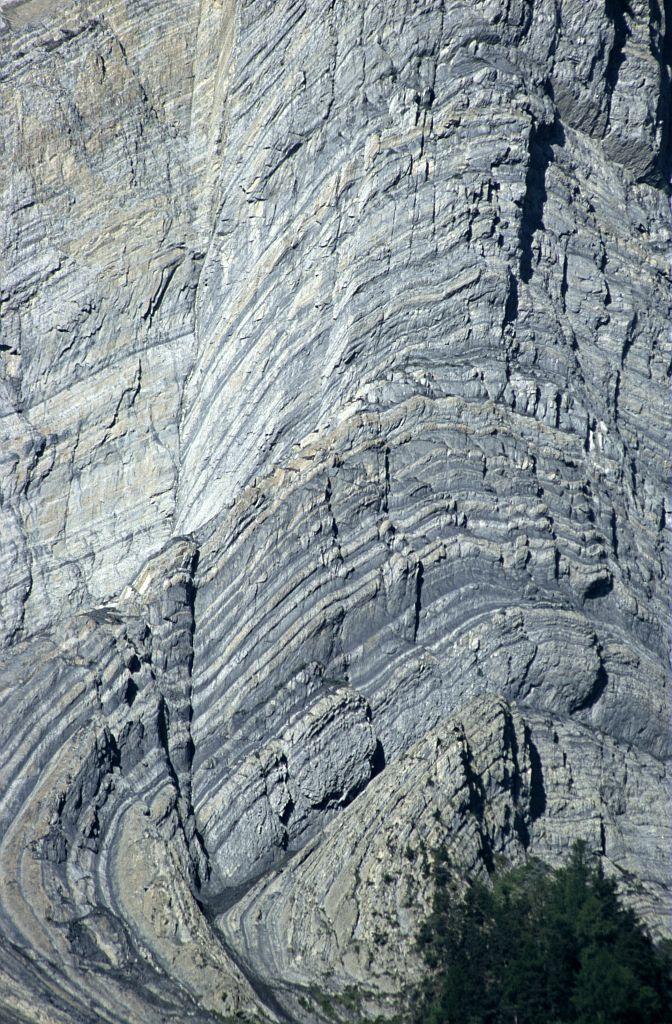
x,y
334,485
343,917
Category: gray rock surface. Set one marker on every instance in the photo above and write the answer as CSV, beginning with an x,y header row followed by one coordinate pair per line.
x,y
343,916
334,484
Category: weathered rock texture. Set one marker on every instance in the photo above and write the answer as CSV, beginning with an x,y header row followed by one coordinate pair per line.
x,y
334,484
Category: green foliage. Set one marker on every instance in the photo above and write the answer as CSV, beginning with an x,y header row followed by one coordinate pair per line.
x,y
324,1002
540,947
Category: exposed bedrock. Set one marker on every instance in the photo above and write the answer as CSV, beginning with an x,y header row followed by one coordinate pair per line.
x,y
107,148
343,916
334,485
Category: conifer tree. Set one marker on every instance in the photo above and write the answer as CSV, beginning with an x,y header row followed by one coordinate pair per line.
x,y
534,946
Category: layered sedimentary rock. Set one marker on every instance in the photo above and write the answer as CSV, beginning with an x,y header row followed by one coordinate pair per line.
x,y
335,416
343,917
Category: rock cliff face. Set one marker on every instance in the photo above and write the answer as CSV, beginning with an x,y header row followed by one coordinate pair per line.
x,y
334,484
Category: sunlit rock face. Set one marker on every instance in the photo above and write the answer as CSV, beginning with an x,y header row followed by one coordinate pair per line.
x,y
334,484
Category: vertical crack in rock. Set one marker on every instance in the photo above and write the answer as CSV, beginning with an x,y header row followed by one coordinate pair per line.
x,y
418,600
543,138
616,11
663,18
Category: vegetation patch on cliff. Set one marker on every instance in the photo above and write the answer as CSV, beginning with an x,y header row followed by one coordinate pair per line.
x,y
540,947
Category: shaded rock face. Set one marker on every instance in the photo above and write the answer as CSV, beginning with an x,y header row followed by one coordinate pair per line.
x,y
334,484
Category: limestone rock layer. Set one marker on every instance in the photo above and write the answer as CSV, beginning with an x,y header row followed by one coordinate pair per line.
x,y
334,485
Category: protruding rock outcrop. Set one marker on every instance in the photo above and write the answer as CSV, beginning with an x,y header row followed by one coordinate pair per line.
x,y
343,916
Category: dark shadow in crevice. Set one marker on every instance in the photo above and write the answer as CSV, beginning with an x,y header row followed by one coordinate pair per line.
x,y
511,308
616,11
419,578
599,588
134,663
521,830
130,692
511,747
614,533
476,806
537,788
378,760
664,112
600,684
543,139
287,812
191,605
